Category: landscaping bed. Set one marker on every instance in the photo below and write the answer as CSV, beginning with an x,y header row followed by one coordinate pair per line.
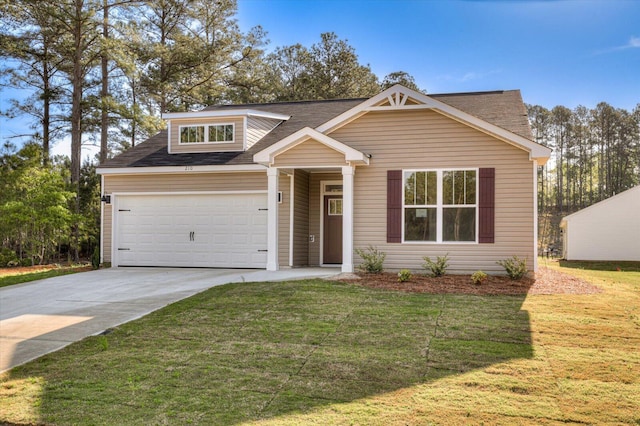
x,y
547,281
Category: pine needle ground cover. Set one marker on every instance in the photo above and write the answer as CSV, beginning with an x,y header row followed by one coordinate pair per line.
x,y
319,352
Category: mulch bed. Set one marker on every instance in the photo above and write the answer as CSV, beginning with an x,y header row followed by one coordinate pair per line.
x,y
547,281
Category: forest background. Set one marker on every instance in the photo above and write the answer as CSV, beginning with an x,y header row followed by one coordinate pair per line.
x,y
105,70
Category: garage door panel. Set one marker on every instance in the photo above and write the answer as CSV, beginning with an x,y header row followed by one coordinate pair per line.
x,y
227,230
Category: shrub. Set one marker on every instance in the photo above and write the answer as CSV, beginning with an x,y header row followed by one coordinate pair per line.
x,y
7,256
95,258
515,267
373,259
478,277
437,268
404,275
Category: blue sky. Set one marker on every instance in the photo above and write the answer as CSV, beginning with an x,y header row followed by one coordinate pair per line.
x,y
556,52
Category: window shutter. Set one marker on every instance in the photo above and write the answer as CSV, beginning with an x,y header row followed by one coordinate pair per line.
x,y
487,205
394,206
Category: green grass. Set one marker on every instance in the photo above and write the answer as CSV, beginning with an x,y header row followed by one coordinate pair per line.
x,y
317,352
19,278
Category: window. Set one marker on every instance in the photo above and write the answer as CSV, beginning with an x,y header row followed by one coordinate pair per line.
x,y
211,133
192,134
440,205
335,206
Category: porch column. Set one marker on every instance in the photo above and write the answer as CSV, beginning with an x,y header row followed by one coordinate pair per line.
x,y
272,218
347,218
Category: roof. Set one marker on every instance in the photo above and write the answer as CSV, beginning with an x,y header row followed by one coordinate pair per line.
x,y
632,196
504,109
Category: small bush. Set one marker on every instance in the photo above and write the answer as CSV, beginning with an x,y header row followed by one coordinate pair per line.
x,y
8,256
95,258
515,267
478,277
437,268
404,275
373,259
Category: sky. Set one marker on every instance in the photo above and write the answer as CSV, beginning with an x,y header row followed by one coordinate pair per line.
x,y
569,52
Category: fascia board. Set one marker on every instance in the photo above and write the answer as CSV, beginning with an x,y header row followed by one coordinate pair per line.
x,y
225,168
225,113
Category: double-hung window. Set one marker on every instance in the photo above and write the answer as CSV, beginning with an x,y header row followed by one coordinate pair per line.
x,y
440,205
209,133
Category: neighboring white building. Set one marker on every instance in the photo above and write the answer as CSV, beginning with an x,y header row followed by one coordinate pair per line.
x,y
608,230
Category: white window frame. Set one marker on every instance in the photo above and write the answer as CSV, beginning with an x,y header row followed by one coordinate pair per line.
x,y
440,206
206,134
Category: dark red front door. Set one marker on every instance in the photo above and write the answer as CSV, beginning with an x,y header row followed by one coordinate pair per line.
x,y
332,241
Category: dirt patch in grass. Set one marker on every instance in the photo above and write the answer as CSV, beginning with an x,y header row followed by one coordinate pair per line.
x,y
547,281
22,270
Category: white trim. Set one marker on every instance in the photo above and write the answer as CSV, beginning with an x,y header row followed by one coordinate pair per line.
x,y
224,168
206,134
125,194
536,151
348,173
244,133
291,214
169,138
101,220
273,175
440,206
225,113
114,227
267,155
535,216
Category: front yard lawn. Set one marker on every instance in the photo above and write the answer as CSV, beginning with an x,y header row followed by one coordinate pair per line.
x,y
320,352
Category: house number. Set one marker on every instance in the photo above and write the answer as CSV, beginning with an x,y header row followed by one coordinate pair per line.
x,y
188,168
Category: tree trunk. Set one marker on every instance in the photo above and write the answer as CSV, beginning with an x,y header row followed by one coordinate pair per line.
x,y
76,117
104,93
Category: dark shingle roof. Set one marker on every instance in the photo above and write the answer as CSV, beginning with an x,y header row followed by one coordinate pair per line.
x,y
501,108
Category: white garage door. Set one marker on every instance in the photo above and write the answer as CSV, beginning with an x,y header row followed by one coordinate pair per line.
x,y
222,230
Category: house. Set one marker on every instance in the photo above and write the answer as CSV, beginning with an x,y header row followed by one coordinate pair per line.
x,y
608,230
306,183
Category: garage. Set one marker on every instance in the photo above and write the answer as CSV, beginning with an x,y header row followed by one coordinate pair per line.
x,y
190,230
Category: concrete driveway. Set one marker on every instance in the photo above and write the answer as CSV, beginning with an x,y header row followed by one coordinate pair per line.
x,y
43,316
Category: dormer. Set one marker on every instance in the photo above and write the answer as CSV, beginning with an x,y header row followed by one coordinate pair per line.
x,y
225,130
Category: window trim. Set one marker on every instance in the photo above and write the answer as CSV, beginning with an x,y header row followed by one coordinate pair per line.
x,y
206,134
440,206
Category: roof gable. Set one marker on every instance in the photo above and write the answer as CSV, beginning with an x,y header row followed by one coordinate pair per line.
x,y
268,155
630,196
399,98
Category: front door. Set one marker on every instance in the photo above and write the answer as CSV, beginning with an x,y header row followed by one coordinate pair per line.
x,y
332,235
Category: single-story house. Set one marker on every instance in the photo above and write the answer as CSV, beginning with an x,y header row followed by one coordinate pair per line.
x,y
608,230
294,184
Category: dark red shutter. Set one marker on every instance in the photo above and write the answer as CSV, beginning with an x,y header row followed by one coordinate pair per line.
x,y
487,205
394,206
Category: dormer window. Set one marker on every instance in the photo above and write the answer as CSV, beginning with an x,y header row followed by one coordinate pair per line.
x,y
209,133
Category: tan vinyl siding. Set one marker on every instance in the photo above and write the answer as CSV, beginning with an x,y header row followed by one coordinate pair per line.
x,y
426,139
185,182
106,234
310,153
284,218
258,127
237,145
314,212
301,219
